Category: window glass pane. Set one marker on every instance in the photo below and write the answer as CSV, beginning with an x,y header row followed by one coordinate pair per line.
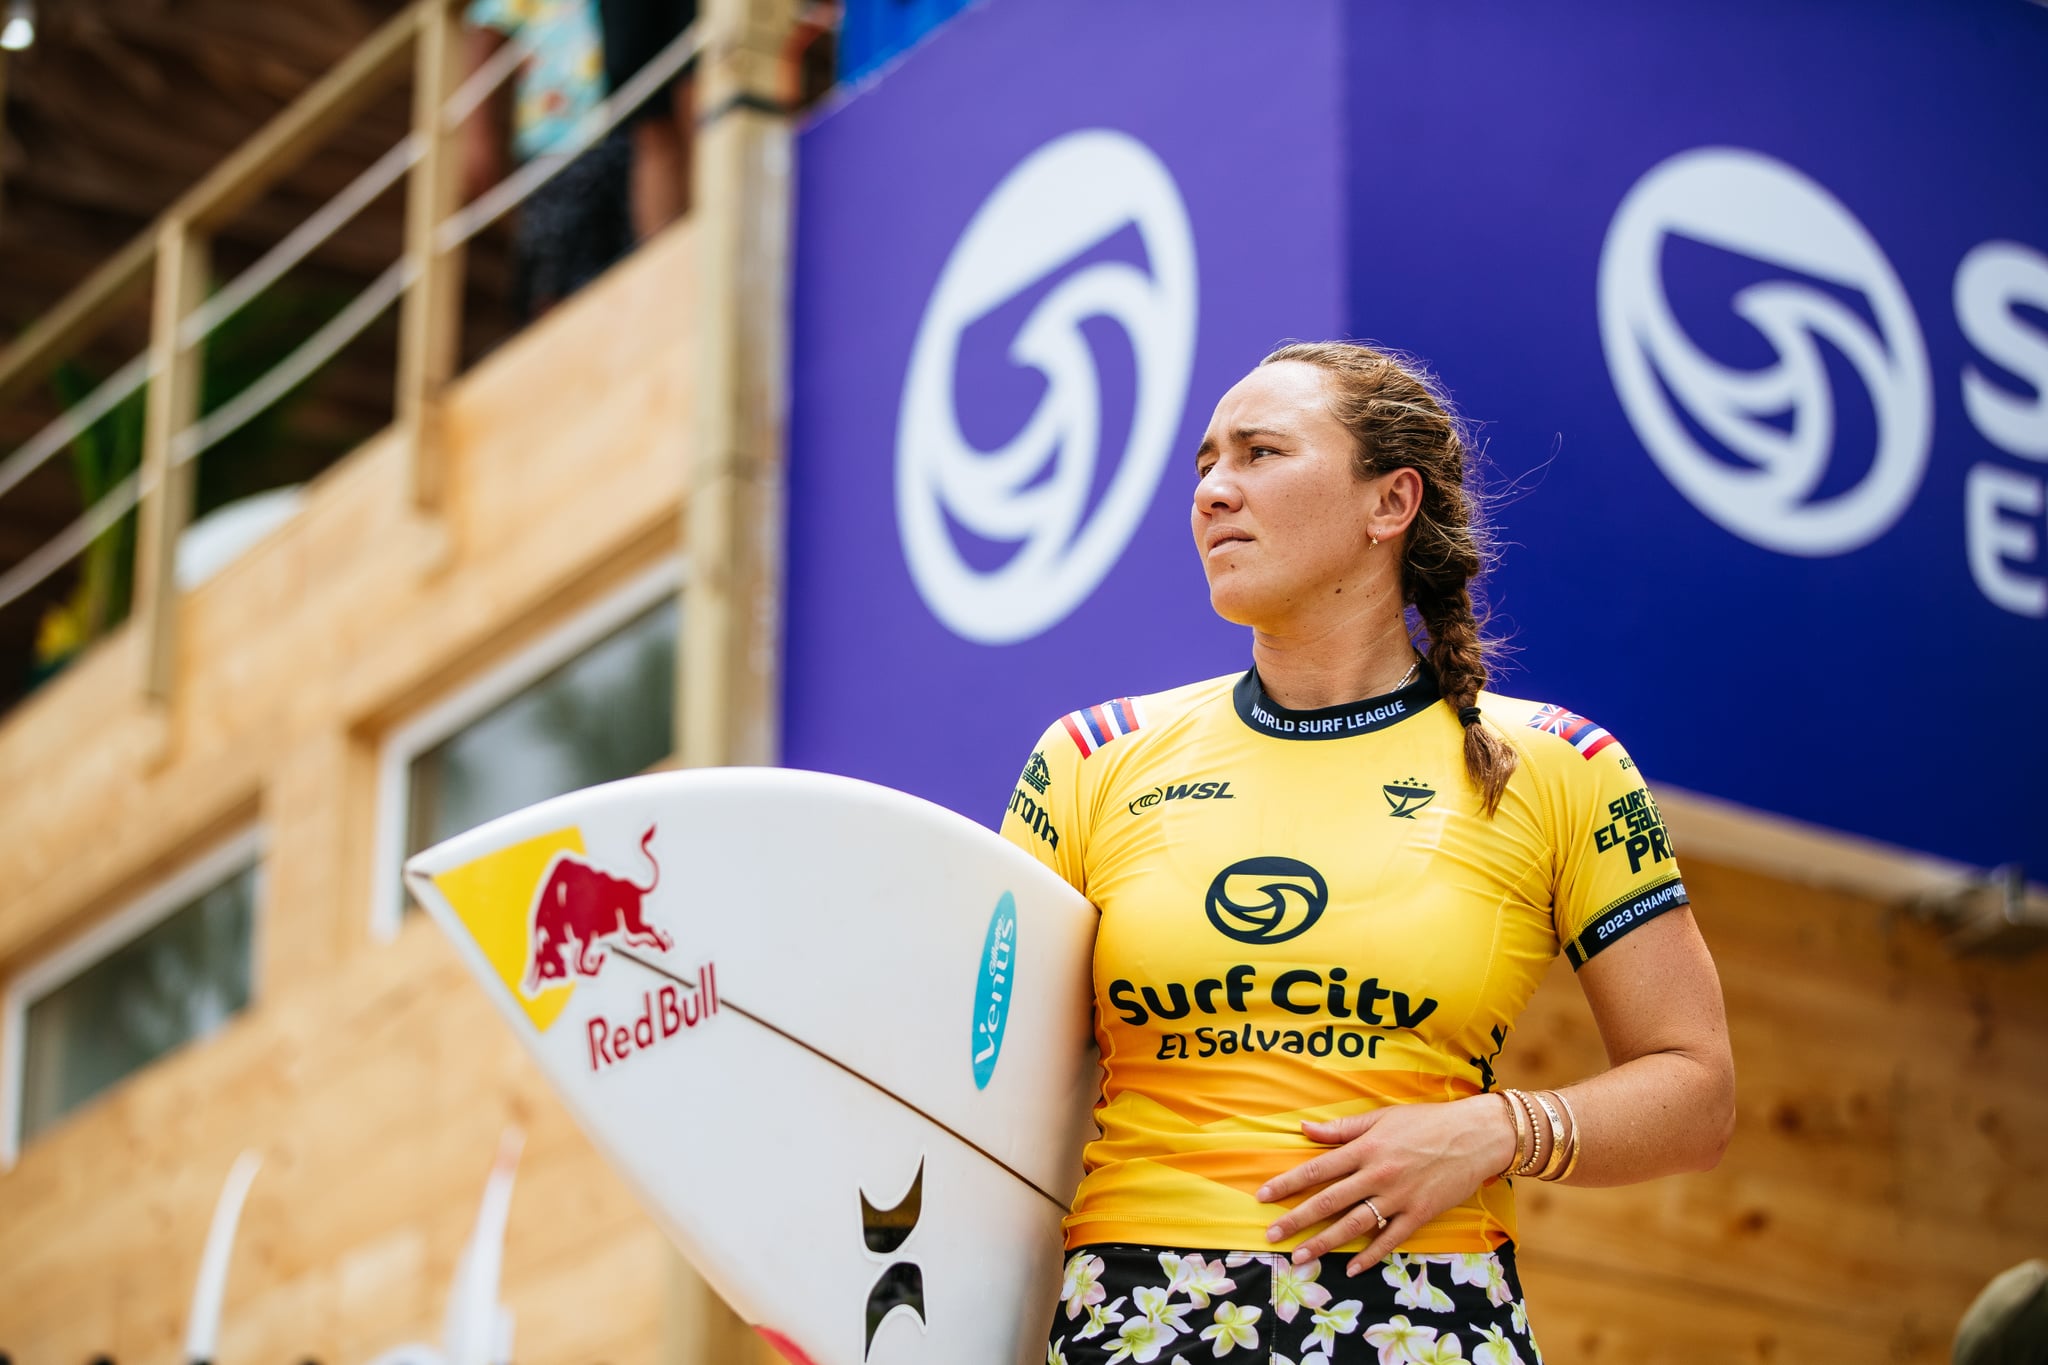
x,y
178,981
604,715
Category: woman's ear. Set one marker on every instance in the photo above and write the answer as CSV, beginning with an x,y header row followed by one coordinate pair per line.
x,y
1397,498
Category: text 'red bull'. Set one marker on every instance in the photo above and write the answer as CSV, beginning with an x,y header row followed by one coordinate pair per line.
x,y
664,1014
579,907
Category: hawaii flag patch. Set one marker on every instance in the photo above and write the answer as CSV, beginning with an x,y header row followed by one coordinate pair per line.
x,y
1094,726
1575,730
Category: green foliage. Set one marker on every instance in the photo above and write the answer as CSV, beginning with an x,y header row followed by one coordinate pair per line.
x,y
101,456
257,457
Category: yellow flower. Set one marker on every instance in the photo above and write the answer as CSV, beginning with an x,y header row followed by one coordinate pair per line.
x,y
1233,1327
1399,1340
1443,1351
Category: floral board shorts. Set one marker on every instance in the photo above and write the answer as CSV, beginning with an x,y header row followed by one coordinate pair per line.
x,y
1144,1304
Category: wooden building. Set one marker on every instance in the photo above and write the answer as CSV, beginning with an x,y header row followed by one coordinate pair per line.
x,y
1888,1158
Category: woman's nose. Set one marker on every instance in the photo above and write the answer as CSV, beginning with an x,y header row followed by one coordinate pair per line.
x,y
1217,492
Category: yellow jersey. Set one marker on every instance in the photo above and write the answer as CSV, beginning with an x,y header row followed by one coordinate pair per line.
x,y
1307,914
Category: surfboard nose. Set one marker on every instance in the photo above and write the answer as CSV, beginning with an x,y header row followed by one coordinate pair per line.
x,y
935,1026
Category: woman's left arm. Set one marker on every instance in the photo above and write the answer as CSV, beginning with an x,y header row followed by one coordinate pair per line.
x,y
1667,1102
1665,1105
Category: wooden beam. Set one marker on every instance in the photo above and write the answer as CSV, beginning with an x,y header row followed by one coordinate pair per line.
x,y
732,533
429,337
173,404
286,139
1801,854
727,678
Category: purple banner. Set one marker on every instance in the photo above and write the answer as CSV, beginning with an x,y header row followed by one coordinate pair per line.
x,y
1748,302
1028,262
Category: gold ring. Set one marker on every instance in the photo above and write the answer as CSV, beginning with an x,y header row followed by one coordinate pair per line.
x,y
1376,1214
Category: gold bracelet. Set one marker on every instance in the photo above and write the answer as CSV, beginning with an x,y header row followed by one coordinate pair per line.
x,y
1572,1163
1555,1164
1534,1161
1537,1152
1521,1138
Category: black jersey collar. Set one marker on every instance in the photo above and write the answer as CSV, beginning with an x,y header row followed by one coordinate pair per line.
x,y
1269,717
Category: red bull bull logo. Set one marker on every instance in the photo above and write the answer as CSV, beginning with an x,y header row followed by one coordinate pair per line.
x,y
579,907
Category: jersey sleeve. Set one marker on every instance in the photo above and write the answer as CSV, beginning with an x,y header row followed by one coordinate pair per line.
x,y
1616,869
1045,815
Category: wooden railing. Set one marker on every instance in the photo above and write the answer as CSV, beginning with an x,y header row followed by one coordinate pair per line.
x,y
174,252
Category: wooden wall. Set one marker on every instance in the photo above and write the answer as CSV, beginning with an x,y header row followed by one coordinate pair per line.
x,y
376,1095
1889,1157
1889,1154
372,1076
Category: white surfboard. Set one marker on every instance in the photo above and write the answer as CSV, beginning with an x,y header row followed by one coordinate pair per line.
x,y
837,1038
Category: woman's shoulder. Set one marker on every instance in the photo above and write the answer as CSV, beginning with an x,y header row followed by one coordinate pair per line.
x,y
1547,732
1144,716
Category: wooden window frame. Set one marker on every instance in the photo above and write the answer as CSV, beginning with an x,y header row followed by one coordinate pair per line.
x,y
108,935
477,698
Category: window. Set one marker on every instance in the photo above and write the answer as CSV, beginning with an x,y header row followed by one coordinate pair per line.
x,y
166,971
592,703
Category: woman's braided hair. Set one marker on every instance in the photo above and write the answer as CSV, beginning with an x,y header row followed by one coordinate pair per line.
x,y
1390,405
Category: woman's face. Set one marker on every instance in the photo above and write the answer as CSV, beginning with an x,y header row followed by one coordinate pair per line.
x,y
1282,522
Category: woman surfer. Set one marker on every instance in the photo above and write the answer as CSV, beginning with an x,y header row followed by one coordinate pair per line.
x,y
1328,887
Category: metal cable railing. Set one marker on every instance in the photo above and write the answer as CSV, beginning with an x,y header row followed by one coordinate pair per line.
x,y
190,442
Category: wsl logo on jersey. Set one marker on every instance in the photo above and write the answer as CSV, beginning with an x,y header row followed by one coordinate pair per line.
x,y
1181,791
1575,730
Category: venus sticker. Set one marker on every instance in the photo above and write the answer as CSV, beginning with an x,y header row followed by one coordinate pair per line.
x,y
992,996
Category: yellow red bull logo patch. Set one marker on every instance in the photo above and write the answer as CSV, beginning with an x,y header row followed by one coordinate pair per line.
x,y
544,916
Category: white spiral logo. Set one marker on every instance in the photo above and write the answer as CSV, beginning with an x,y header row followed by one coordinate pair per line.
x,y
1065,198
1750,204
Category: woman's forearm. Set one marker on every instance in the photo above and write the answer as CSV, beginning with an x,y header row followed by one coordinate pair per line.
x,y
1659,1114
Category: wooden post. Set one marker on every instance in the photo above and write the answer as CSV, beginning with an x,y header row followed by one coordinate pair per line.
x,y
727,679
3,135
172,405
733,517
430,326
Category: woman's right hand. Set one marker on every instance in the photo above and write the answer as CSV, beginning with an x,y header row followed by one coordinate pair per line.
x,y
1411,1161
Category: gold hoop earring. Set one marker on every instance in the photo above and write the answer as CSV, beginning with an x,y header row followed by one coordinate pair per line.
x,y
1375,541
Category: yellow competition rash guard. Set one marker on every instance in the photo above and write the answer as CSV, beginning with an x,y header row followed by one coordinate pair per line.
x,y
1306,914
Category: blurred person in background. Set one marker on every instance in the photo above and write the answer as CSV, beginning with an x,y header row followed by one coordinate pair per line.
x,y
662,126
576,225
2008,1323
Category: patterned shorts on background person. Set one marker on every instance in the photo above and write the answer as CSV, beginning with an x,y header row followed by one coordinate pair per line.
x,y
1149,1304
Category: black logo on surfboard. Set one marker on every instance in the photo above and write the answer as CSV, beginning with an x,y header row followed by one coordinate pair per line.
x,y
886,1230
1290,897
